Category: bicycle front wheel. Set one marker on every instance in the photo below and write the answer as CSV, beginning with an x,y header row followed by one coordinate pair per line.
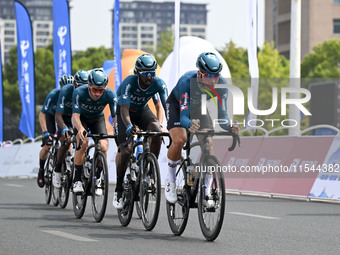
x,y
150,191
178,213
211,202
125,214
100,184
48,178
79,204
64,190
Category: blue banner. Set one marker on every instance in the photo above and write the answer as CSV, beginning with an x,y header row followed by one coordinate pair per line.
x,y
61,40
117,61
25,70
1,104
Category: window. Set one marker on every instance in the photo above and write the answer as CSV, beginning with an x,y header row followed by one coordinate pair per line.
x,y
336,26
283,32
336,1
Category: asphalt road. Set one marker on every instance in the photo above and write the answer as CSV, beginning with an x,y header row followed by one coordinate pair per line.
x,y
253,225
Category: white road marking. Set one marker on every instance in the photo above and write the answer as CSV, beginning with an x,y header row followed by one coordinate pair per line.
x,y
255,215
13,185
69,236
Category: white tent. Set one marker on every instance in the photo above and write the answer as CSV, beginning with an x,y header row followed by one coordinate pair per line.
x,y
190,48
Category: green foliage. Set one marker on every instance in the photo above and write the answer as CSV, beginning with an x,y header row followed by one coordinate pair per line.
x,y
237,60
324,62
91,58
271,63
165,47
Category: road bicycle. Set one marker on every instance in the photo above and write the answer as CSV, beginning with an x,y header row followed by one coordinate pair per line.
x,y
193,182
50,191
142,184
95,179
67,170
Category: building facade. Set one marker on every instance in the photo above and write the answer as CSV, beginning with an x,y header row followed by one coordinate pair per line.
x,y
320,21
142,22
42,25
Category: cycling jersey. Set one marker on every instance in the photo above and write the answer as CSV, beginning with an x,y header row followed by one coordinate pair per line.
x,y
186,100
65,100
50,104
90,108
130,93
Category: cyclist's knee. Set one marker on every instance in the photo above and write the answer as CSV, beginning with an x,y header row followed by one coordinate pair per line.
x,y
104,144
154,126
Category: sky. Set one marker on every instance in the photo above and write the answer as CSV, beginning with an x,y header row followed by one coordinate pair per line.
x,y
91,22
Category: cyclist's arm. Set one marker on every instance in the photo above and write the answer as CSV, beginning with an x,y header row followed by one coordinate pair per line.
x,y
59,120
125,115
42,121
185,111
77,124
222,111
159,112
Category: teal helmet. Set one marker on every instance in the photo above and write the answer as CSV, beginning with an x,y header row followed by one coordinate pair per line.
x,y
145,62
208,62
81,77
98,78
66,79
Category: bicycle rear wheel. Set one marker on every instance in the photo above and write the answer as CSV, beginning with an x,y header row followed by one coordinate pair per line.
x,y
125,214
64,190
100,186
48,178
178,213
211,214
150,191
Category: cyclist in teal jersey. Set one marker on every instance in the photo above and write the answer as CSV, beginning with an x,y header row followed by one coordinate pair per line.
x,y
89,102
133,96
63,118
183,113
48,128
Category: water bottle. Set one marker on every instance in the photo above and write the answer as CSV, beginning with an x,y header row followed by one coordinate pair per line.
x,y
68,163
190,179
87,168
139,149
134,169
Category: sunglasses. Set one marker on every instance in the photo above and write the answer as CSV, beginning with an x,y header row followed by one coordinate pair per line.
x,y
97,90
148,74
210,75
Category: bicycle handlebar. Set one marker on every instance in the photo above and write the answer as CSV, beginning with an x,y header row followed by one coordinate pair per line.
x,y
95,137
211,132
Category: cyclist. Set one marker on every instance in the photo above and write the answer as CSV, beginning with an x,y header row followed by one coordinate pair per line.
x,y
89,102
181,116
63,118
48,128
133,96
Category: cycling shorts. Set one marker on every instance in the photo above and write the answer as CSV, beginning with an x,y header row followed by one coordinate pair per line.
x,y
141,118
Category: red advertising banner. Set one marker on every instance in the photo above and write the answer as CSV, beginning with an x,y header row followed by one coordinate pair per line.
x,y
273,165
305,161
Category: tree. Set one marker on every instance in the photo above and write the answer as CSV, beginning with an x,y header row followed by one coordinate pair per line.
x,y
237,60
91,58
165,47
324,62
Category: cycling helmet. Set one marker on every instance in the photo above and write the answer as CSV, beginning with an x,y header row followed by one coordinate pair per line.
x,y
98,78
145,62
66,79
208,62
81,77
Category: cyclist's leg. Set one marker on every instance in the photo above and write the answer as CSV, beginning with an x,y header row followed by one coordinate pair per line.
x,y
65,144
121,162
79,158
179,136
148,121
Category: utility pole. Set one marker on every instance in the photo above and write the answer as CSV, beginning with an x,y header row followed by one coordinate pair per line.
x,y
295,59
